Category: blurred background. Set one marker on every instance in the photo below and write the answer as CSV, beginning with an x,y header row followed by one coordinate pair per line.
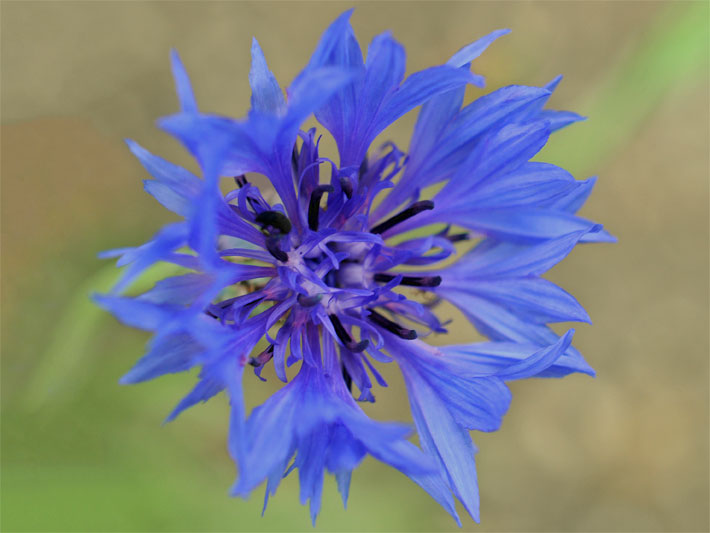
x,y
627,451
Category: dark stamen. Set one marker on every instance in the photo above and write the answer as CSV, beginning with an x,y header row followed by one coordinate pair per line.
x,y
364,166
347,378
294,160
314,205
263,358
347,185
458,237
242,181
357,347
433,302
274,219
309,301
273,245
340,331
402,332
414,209
411,281
345,337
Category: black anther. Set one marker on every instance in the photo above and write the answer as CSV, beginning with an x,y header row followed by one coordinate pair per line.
x,y
241,181
347,378
274,219
357,347
411,281
389,325
294,160
263,358
273,245
414,209
314,205
309,301
364,166
345,338
458,237
347,185
340,331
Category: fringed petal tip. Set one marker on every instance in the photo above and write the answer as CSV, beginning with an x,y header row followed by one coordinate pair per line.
x,y
183,87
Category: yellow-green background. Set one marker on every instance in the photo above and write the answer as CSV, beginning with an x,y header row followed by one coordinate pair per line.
x,y
627,451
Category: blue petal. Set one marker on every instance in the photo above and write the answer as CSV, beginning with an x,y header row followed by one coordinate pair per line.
x,y
599,236
205,389
315,417
384,71
216,143
560,119
309,92
179,290
476,400
539,361
137,313
444,139
434,117
471,51
343,480
385,442
177,189
505,151
165,171
269,431
351,113
498,357
203,217
174,186
573,201
487,113
541,298
448,443
539,184
167,197
438,489
344,452
182,84
553,83
374,99
230,372
266,95
310,462
333,37
520,224
264,142
501,259
210,137
417,89
339,114
499,324
168,354
353,364
441,109
475,403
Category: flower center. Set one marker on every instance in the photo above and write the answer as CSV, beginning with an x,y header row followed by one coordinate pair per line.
x,y
331,264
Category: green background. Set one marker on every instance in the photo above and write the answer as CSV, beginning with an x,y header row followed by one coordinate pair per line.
x,y
627,451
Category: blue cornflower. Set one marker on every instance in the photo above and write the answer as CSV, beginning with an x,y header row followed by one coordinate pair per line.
x,y
329,279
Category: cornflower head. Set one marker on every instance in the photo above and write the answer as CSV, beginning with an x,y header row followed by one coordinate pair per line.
x,y
332,280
